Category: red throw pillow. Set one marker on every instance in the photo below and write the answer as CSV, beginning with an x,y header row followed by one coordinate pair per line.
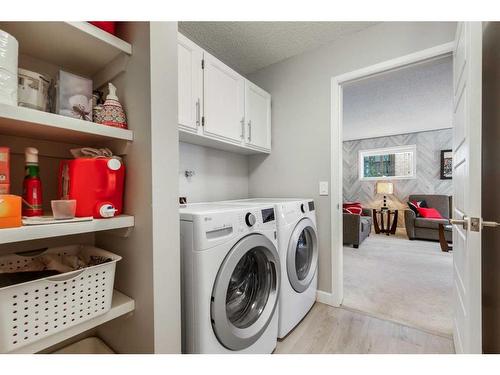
x,y
353,210
414,205
351,204
429,213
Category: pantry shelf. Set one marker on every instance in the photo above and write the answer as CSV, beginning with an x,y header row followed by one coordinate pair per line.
x,y
34,232
81,47
30,123
121,305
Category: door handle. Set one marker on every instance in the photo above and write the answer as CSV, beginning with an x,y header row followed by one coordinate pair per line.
x,y
250,131
198,112
492,224
463,222
242,136
476,223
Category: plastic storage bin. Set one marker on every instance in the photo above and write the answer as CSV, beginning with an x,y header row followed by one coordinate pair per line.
x,y
36,309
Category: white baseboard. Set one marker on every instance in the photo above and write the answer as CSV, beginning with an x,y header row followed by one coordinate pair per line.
x,y
325,297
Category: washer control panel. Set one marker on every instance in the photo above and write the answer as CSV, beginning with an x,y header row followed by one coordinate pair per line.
x,y
258,218
217,227
250,219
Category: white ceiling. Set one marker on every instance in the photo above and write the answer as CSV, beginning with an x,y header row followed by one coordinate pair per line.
x,y
250,46
416,98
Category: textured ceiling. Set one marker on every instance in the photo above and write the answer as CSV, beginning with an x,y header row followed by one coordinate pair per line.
x,y
416,98
250,46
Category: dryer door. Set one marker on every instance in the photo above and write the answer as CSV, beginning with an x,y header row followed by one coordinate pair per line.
x,y
302,255
245,293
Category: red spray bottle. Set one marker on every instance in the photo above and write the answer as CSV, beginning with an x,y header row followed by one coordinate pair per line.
x,y
32,185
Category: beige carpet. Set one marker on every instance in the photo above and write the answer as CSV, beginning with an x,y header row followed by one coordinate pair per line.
x,y
404,281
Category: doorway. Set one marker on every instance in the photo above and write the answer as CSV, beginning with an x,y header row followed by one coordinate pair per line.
x,y
396,126
337,84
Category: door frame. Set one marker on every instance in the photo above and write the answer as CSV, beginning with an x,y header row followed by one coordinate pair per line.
x,y
336,157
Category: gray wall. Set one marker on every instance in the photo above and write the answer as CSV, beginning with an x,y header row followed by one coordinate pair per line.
x,y
300,89
429,145
219,175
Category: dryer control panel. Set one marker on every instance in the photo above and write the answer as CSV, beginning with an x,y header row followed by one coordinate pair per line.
x,y
293,211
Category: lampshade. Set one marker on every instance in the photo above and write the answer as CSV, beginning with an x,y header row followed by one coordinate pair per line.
x,y
385,188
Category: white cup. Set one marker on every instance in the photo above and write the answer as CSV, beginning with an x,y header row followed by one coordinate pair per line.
x,y
63,209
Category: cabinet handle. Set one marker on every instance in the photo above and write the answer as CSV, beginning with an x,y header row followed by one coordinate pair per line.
x,y
250,131
242,136
198,112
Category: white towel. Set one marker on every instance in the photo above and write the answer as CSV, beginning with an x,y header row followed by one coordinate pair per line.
x,y
9,52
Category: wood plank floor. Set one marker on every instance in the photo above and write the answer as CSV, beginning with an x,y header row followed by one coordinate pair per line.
x,y
328,329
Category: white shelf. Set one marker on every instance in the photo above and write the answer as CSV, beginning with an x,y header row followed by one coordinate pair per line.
x,y
30,123
75,46
102,36
120,305
34,232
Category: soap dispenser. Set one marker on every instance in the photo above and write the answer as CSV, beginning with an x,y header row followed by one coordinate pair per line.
x,y
112,111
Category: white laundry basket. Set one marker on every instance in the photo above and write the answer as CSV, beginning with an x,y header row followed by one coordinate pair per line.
x,y
36,309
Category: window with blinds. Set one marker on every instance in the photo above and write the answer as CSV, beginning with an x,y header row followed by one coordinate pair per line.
x,y
394,162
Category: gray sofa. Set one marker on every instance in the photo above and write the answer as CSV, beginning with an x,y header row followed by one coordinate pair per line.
x,y
357,227
428,229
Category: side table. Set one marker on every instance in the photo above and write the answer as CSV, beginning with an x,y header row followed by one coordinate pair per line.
x,y
390,227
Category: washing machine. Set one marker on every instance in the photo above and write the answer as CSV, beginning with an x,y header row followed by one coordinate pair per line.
x,y
230,278
298,251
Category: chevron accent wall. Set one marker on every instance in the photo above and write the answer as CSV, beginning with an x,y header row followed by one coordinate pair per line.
x,y
429,146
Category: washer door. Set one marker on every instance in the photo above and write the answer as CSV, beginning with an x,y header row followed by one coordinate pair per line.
x,y
302,255
245,293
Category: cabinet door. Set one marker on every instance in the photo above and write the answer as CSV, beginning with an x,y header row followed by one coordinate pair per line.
x,y
224,91
257,117
190,84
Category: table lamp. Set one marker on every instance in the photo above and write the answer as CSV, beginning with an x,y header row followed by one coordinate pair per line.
x,y
385,188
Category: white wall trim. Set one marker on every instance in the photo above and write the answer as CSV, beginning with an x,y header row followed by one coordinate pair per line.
x,y
439,51
325,297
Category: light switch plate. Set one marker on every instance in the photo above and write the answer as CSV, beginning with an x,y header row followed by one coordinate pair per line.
x,y
323,188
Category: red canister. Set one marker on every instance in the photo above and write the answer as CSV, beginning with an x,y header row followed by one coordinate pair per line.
x,y
95,183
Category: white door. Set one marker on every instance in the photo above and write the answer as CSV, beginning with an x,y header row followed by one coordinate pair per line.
x,y
224,91
467,76
257,116
190,84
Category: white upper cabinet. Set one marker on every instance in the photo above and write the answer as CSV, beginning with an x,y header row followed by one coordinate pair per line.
x,y
217,106
190,84
257,117
224,93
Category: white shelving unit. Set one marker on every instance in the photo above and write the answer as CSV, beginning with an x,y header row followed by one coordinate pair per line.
x,y
35,232
79,47
30,123
120,306
102,36
86,50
